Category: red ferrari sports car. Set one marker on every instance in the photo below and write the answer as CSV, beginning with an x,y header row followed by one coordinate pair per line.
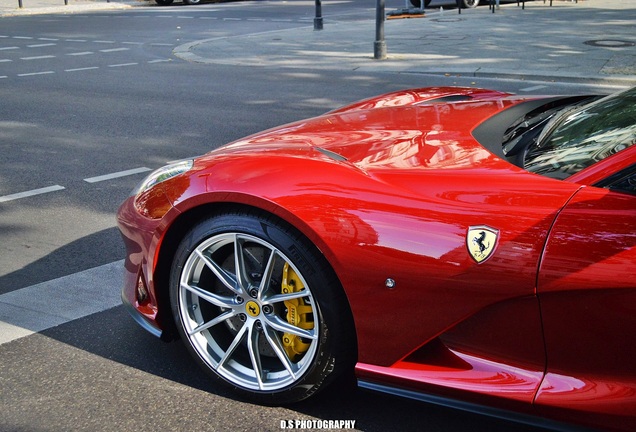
x,y
457,245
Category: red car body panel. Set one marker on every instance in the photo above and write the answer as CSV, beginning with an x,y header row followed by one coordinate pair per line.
x,y
586,276
388,188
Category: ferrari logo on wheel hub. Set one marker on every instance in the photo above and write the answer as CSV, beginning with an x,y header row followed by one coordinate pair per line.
x,y
252,308
481,242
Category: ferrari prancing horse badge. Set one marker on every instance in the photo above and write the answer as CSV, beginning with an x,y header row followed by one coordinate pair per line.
x,y
481,242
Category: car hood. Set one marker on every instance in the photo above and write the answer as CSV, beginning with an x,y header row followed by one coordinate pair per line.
x,y
415,129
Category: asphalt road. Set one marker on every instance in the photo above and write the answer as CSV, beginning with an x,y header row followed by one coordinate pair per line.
x,y
89,103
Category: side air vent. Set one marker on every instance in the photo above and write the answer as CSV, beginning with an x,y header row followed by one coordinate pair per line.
x,y
332,155
447,99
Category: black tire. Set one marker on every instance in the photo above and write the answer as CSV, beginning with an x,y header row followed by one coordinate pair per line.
x,y
164,2
417,3
272,348
469,4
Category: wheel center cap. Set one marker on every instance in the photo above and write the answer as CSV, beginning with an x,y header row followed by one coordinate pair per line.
x,y
252,308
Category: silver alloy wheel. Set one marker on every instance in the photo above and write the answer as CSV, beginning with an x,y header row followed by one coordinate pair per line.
x,y
248,312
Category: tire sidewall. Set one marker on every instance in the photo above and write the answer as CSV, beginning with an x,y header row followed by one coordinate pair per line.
x,y
300,252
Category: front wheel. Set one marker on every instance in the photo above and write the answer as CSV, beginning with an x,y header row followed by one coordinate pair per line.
x,y
260,309
192,2
418,3
470,3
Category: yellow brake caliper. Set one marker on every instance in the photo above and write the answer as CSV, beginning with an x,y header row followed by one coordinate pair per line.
x,y
299,314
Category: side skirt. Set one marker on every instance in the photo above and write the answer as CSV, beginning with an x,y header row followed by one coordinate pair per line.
x,y
471,407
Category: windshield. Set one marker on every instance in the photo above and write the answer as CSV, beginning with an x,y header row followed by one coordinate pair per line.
x,y
576,139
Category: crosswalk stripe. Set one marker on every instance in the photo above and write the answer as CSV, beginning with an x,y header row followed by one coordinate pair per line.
x,y
48,304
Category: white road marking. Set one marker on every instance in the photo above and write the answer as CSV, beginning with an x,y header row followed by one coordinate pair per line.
x,y
36,73
30,193
41,45
537,87
122,65
51,42
37,57
48,304
116,175
81,69
114,50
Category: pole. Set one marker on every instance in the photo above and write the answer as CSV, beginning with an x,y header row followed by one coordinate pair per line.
x,y
379,46
318,18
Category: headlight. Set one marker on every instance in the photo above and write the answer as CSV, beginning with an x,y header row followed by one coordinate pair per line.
x,y
162,174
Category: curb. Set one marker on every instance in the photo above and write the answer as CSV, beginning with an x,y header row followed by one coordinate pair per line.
x,y
68,9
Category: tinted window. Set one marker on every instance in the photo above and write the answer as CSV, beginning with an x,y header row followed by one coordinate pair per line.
x,y
577,138
624,181
628,184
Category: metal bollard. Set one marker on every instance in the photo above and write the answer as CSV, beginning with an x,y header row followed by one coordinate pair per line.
x,y
318,18
379,46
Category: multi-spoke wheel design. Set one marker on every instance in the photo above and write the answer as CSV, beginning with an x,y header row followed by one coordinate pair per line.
x,y
250,313
470,3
